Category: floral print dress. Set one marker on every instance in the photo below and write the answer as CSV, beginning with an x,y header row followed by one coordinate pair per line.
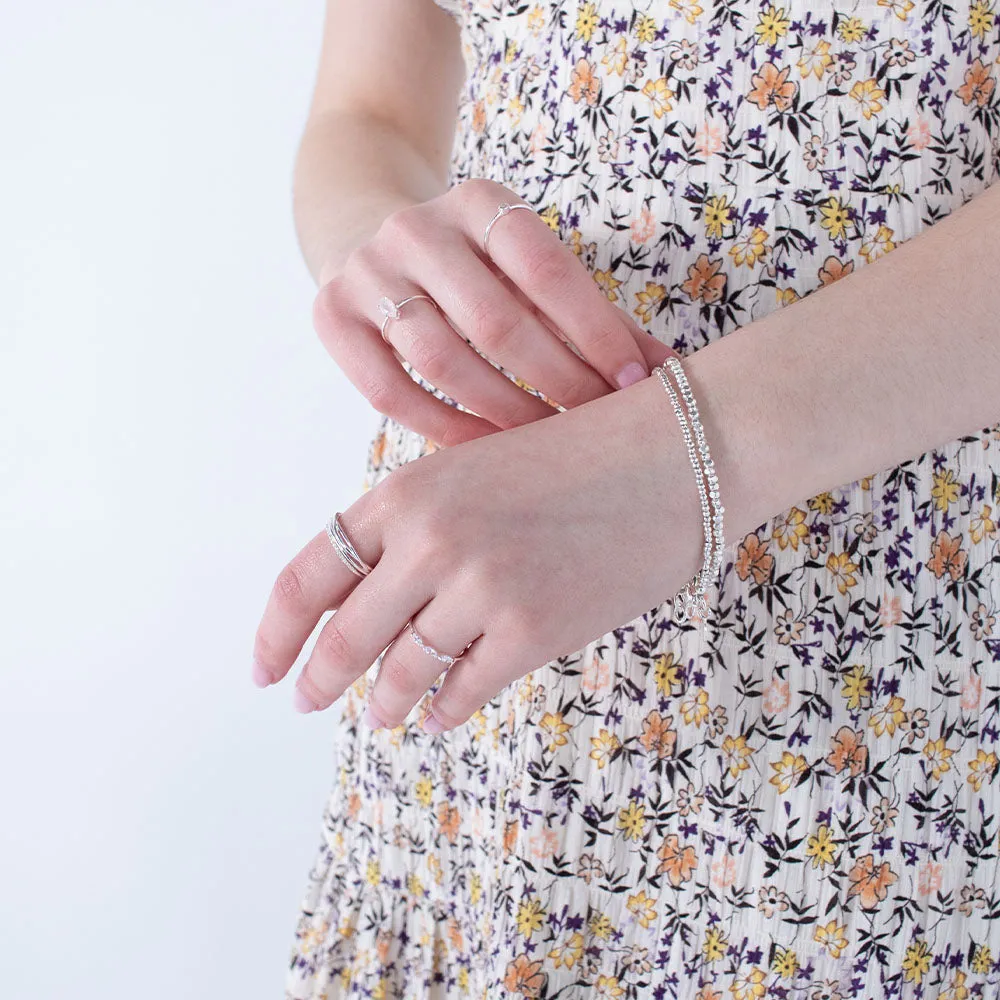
x,y
799,800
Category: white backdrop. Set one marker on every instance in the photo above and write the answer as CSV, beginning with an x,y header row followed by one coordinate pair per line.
x,y
171,431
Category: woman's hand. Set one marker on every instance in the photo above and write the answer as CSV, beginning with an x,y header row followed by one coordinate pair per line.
x,y
529,305
527,544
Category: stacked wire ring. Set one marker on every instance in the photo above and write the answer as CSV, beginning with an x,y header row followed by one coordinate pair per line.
x,y
343,547
390,309
504,209
428,648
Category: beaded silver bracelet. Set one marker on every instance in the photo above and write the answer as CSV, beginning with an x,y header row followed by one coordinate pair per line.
x,y
691,601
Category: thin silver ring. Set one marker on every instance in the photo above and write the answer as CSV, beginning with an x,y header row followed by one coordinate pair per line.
x,y
428,648
344,548
390,309
504,209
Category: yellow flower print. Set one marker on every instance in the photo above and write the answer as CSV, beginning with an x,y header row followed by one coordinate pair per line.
x,y
899,7
957,990
633,821
695,708
831,937
423,790
835,217
840,565
601,926
751,248
551,217
530,917
689,8
821,503
666,673
788,770
748,985
981,19
821,848
869,95
879,245
888,717
604,746
786,963
786,296
475,887
414,886
616,58
815,59
937,755
945,490
735,754
570,953
586,21
982,768
857,687
373,872
771,25
917,962
607,283
511,51
515,110
553,724
851,29
645,29
982,525
982,960
660,94
607,987
791,529
536,19
714,947
643,907
718,213
649,299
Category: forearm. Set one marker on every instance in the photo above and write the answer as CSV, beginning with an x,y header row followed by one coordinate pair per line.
x,y
351,171
885,364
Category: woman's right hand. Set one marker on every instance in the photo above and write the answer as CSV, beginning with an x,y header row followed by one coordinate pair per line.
x,y
522,305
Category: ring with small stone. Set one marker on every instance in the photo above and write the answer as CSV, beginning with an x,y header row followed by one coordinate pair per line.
x,y
428,648
504,209
390,309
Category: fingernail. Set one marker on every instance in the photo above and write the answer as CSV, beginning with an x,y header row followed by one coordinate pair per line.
x,y
301,702
371,719
432,724
633,372
261,675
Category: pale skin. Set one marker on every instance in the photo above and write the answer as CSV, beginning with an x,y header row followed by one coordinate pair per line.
x,y
531,541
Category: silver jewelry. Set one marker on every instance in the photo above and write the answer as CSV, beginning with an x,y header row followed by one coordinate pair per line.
x,y
390,309
504,209
691,600
428,648
343,547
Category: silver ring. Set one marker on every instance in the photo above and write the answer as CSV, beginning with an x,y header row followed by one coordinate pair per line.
x,y
428,648
343,547
390,309
504,209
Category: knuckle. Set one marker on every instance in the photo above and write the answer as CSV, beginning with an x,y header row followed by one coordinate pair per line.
x,y
435,362
495,326
330,310
290,588
383,397
549,266
333,645
403,227
395,674
475,189
455,708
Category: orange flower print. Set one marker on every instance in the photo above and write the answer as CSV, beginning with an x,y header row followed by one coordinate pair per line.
x,y
890,611
972,693
677,861
777,696
752,558
868,883
657,736
584,84
849,752
978,85
448,821
833,270
643,226
524,976
772,87
930,877
947,556
704,280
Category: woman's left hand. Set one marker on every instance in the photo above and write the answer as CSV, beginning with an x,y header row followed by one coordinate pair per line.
x,y
526,544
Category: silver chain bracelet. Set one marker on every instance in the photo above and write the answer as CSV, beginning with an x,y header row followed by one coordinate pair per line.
x,y
691,601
